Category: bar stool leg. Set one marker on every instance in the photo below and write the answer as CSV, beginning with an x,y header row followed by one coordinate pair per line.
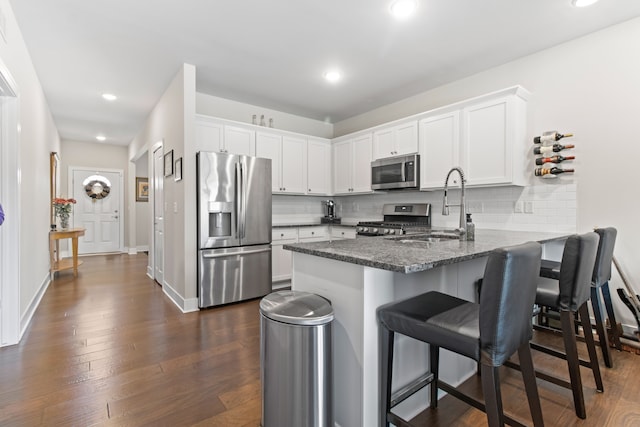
x,y
529,378
606,295
602,333
492,395
386,363
434,363
591,346
571,349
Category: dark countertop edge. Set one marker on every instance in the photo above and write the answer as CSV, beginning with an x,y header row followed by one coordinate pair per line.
x,y
406,269
317,224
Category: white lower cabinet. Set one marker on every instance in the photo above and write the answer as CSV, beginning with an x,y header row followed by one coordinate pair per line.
x,y
313,234
281,258
338,232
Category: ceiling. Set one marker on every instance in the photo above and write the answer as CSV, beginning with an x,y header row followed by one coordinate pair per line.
x,y
273,53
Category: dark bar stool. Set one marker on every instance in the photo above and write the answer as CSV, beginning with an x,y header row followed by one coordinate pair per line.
x,y
568,296
488,332
599,284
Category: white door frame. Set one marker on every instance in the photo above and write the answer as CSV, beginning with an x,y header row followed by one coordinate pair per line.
x,y
121,211
152,195
10,189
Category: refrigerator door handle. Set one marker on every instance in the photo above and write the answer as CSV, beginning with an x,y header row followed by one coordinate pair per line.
x,y
238,201
243,171
228,254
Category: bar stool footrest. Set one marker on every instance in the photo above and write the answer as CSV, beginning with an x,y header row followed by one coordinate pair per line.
x,y
408,390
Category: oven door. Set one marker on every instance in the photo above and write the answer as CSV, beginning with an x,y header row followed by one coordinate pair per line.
x,y
395,173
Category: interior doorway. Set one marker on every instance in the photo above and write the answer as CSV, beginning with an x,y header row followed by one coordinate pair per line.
x,y
10,199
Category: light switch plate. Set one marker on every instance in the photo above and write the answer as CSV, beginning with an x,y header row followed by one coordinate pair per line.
x,y
528,207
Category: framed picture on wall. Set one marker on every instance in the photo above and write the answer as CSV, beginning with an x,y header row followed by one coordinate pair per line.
x,y
178,171
142,189
168,164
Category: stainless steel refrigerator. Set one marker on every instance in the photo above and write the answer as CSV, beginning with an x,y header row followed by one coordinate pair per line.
x,y
234,228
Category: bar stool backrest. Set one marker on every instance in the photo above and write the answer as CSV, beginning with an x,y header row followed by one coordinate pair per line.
x,y
508,294
576,270
602,269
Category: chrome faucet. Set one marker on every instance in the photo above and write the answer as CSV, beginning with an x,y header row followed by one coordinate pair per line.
x,y
445,205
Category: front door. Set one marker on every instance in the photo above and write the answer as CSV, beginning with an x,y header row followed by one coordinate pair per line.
x,y
98,196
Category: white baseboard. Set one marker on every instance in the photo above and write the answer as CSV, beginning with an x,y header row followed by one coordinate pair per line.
x,y
143,248
132,251
25,319
185,305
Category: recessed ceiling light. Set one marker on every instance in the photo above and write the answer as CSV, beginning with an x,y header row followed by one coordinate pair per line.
x,y
402,9
582,3
101,138
109,96
332,76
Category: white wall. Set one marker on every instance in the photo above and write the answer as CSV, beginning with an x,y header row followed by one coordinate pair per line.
x,y
38,137
588,86
173,122
233,110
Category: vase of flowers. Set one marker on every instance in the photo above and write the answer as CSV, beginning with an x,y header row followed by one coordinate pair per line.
x,y
63,208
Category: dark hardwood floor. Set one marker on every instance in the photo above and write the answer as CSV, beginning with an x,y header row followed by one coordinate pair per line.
x,y
109,348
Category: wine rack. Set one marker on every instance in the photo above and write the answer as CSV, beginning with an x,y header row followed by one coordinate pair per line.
x,y
548,151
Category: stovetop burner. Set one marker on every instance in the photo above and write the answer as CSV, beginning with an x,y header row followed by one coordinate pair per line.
x,y
397,220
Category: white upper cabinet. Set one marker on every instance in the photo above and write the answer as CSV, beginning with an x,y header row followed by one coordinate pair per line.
x,y
213,135
238,140
318,167
492,135
269,146
288,156
352,165
395,140
439,148
486,136
294,162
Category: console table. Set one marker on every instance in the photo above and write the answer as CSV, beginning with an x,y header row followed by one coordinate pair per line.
x,y
58,263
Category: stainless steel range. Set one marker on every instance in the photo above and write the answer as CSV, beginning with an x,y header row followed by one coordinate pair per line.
x,y
398,219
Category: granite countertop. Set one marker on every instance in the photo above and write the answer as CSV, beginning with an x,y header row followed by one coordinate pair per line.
x,y
408,256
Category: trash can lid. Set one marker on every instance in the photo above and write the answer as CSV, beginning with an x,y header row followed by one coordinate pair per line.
x,y
297,308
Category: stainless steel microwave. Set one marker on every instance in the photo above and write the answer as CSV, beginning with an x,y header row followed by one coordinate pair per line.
x,y
394,173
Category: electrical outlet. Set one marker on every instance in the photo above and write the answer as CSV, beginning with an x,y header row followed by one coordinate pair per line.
x,y
518,207
528,207
175,207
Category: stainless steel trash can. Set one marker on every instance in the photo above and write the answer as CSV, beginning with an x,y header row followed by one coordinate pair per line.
x,y
295,360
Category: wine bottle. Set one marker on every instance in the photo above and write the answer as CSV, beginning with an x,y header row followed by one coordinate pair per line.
x,y
551,136
551,148
553,159
551,171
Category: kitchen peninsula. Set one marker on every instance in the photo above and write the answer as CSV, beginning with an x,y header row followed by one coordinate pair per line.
x,y
361,274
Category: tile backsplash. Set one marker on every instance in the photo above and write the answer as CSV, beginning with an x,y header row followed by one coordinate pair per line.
x,y
548,205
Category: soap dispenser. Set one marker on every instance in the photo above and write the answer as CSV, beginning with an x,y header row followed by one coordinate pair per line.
x,y
471,229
